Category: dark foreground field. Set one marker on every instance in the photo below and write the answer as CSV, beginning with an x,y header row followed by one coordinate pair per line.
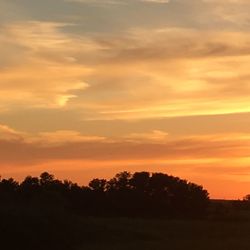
x,y
57,231
120,214
127,234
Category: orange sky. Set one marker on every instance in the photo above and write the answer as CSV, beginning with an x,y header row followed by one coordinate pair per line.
x,y
93,87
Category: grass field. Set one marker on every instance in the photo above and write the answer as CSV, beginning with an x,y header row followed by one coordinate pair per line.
x,y
129,234
60,231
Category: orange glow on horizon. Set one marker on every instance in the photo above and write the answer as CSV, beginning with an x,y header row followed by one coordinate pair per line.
x,y
202,171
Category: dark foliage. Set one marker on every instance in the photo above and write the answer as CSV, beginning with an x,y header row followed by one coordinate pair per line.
x,y
46,213
140,194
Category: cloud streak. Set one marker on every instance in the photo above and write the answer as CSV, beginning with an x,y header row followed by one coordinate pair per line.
x,y
70,145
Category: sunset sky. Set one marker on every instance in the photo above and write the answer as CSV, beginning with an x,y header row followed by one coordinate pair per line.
x,y
90,88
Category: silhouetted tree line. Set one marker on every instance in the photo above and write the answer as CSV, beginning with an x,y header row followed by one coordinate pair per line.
x,y
138,194
45,213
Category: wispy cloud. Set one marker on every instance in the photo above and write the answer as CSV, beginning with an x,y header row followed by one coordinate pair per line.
x,y
127,76
67,144
119,2
44,75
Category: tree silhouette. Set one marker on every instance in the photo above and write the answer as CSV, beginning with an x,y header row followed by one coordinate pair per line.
x,y
138,194
46,178
98,185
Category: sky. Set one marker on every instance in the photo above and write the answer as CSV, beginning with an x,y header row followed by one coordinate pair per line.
x,y
90,88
